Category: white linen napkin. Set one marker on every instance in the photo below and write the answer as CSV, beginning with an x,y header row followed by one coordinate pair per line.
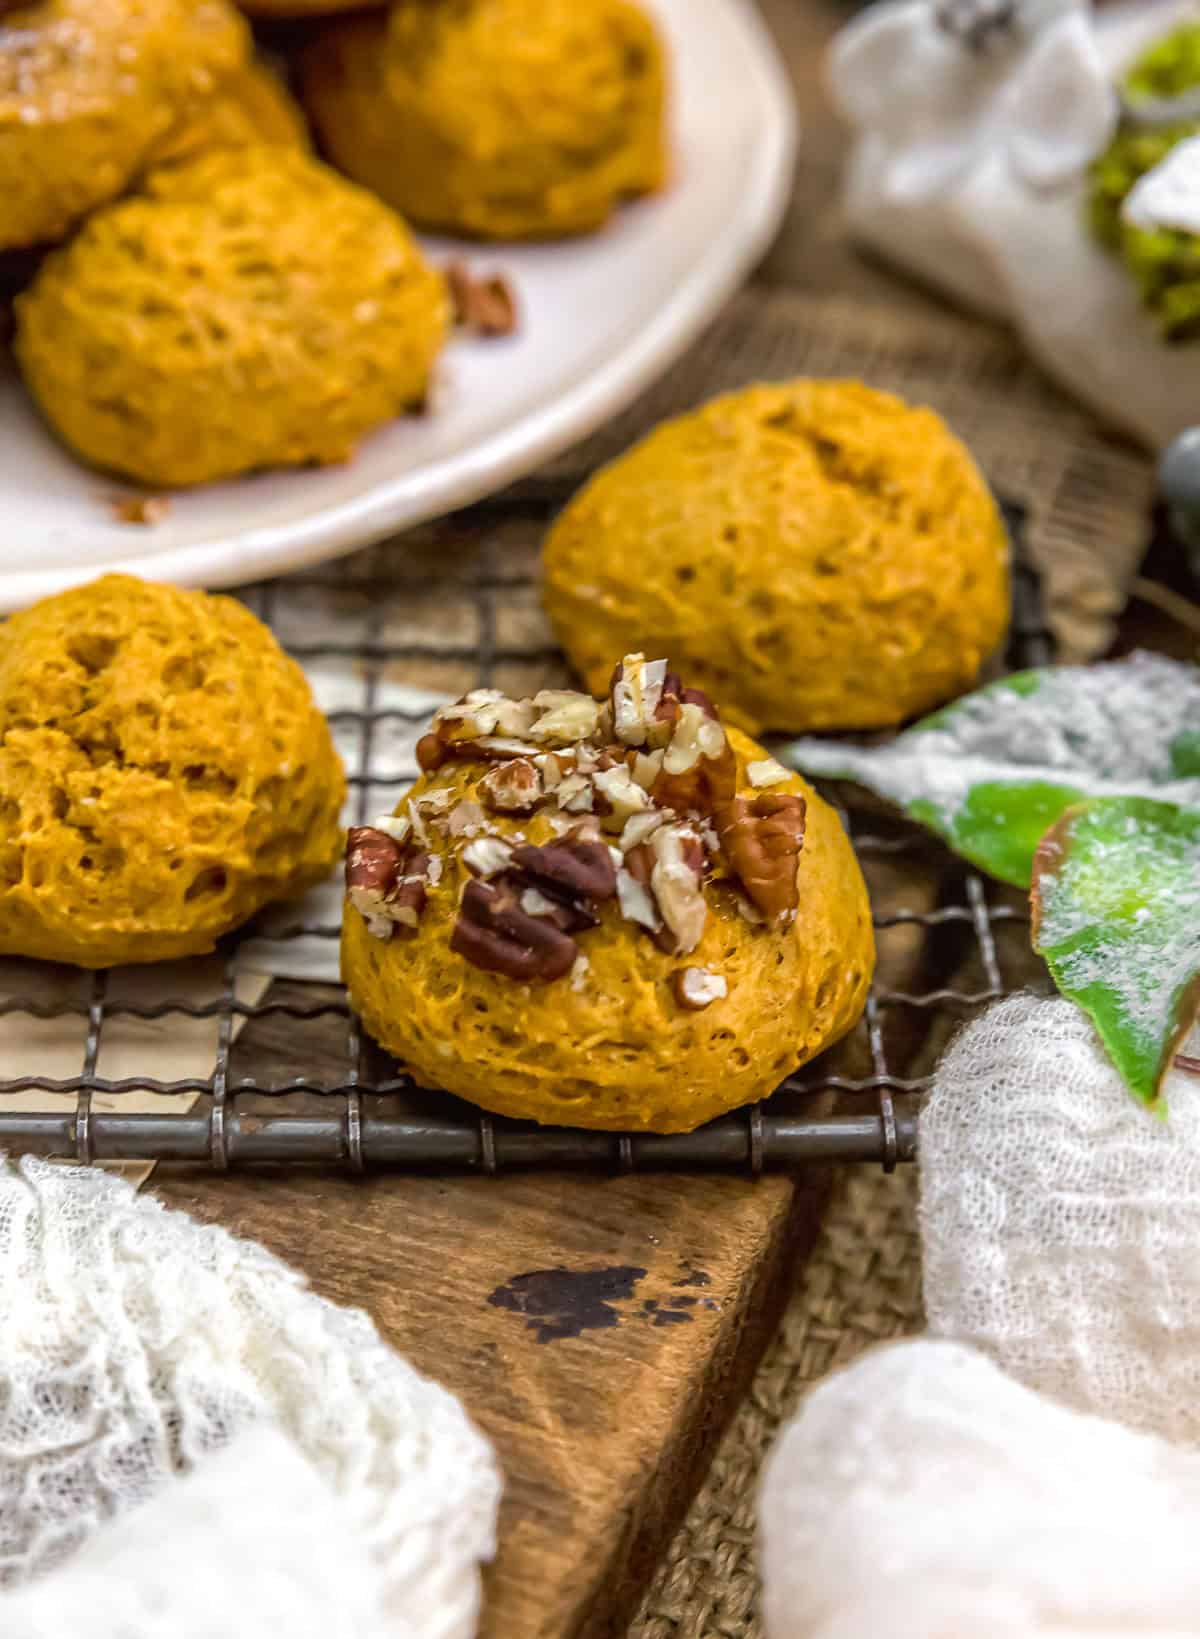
x,y
943,198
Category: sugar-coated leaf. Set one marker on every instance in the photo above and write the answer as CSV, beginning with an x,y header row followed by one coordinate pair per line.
x,y
1116,914
993,771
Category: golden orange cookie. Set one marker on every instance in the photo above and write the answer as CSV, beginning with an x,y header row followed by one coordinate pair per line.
x,y
250,309
164,773
88,88
503,119
304,8
816,554
606,914
252,107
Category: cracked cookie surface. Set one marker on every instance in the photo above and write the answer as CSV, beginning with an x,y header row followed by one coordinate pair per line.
x,y
815,554
164,773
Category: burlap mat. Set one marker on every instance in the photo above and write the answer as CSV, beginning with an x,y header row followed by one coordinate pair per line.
x,y
861,1286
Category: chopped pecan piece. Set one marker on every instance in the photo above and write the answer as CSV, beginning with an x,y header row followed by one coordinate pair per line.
x,y
493,932
677,880
698,987
372,866
699,769
638,827
483,712
762,837
562,717
487,856
512,787
767,772
385,882
485,305
407,899
633,890
644,697
484,723
147,510
621,793
466,819
431,752
575,794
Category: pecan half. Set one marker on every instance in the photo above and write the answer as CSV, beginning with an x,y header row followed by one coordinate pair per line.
x,y
493,932
512,787
576,869
761,838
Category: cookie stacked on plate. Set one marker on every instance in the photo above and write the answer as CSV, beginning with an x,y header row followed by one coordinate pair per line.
x,y
206,298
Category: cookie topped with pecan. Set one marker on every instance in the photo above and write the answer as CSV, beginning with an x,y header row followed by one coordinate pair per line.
x,y
612,912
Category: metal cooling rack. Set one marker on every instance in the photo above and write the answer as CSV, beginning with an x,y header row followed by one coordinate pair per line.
x,y
346,1106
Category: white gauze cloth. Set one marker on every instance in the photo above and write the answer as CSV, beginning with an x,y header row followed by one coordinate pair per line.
x,y
1060,1222
251,1542
137,1344
982,1481
923,1494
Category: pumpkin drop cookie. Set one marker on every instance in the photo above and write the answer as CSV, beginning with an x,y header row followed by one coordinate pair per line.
x,y
605,913
164,773
249,310
816,554
88,88
501,119
253,107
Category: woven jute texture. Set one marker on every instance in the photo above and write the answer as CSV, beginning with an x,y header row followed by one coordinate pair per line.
x,y
861,1286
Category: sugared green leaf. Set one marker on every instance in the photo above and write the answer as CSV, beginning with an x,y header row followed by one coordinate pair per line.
x,y
1116,914
993,771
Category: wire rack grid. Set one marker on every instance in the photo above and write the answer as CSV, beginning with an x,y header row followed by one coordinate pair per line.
x,y
451,608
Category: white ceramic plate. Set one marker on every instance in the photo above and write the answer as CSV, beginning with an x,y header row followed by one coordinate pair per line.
x,y
602,317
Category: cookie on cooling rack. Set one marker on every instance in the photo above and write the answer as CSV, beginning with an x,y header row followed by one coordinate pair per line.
x,y
816,554
444,111
605,913
88,88
164,773
249,310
